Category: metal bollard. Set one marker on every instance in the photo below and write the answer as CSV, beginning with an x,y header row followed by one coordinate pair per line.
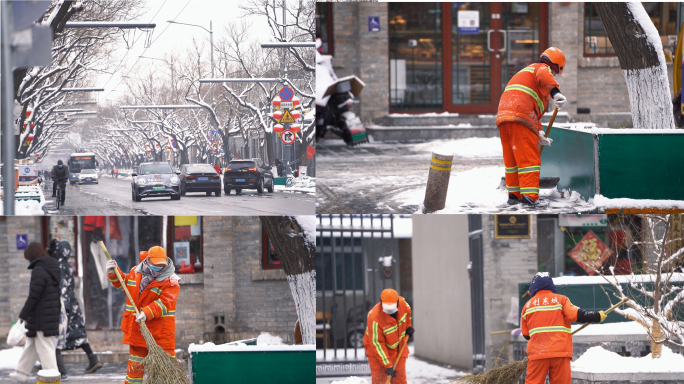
x,y
438,182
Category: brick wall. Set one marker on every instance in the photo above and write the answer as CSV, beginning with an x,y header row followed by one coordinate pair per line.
x,y
363,53
507,262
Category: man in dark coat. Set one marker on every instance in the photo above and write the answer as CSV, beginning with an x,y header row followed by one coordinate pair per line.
x,y
76,334
59,171
41,312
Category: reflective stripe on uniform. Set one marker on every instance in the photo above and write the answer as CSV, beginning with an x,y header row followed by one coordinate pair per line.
x,y
556,307
403,318
378,348
156,290
529,91
559,328
535,168
393,345
512,189
527,69
390,330
133,380
512,170
161,305
137,359
130,283
130,308
529,190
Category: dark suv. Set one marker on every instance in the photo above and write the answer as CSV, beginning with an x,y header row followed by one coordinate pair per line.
x,y
247,174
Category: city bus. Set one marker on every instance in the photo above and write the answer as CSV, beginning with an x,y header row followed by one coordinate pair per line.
x,y
79,161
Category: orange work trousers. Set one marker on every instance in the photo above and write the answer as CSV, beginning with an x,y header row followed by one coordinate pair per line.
x,y
135,371
558,369
521,159
379,372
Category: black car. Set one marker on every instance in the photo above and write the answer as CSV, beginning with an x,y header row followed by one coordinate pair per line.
x,y
199,178
247,174
155,180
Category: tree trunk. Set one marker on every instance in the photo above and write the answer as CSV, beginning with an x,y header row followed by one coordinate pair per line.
x,y
638,47
656,333
298,256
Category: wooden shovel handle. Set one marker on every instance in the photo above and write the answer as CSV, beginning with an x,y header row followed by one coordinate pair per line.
x,y
607,311
118,276
401,351
548,129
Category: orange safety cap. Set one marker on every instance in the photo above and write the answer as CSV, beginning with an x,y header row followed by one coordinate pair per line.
x,y
157,255
143,255
389,296
555,57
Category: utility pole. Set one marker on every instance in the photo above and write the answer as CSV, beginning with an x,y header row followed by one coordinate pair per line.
x,y
7,109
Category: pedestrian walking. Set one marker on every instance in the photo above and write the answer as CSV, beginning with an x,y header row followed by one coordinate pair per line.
x,y
521,108
154,287
41,312
217,168
388,322
115,172
76,336
545,322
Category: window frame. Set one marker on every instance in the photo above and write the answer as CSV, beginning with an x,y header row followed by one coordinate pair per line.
x,y
170,239
264,253
331,37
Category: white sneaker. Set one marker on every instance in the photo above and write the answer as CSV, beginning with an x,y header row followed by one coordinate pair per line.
x,y
19,376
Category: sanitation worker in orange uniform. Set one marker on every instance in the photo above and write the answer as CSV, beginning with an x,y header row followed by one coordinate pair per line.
x,y
388,322
154,288
521,108
545,322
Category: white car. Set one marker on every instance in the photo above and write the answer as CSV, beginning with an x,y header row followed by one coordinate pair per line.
x,y
88,176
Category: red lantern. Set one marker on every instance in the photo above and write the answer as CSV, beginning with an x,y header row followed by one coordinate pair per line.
x,y
277,115
28,113
296,114
278,128
276,102
295,127
29,138
295,101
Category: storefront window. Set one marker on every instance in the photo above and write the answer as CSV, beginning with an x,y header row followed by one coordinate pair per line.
x,y
663,16
324,26
415,56
62,228
186,243
521,21
471,73
124,237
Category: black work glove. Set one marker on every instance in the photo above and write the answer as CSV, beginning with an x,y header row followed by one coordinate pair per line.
x,y
391,372
410,331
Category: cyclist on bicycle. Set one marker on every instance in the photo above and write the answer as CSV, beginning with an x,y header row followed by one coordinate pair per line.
x,y
60,172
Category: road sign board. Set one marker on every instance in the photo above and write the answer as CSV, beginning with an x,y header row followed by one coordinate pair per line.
x,y
287,118
288,137
286,104
286,94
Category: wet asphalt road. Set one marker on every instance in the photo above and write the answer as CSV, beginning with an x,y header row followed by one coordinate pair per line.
x,y
113,197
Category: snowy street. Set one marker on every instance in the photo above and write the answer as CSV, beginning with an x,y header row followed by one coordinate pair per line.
x,y
109,373
391,177
113,196
417,371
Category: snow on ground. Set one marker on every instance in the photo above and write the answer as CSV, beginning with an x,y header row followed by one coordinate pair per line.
x,y
604,202
28,207
422,114
599,360
9,358
474,147
351,380
266,338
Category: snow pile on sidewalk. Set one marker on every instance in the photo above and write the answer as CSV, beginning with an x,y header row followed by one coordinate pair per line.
x,y
266,338
241,347
622,328
28,207
351,380
604,202
422,372
9,358
599,360
474,147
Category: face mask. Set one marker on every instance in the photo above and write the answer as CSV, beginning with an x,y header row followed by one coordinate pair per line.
x,y
390,312
59,166
155,268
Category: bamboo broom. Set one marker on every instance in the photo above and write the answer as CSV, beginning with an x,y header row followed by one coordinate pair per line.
x,y
160,367
401,351
511,373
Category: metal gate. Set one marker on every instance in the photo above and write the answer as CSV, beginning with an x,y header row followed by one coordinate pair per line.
x,y
356,258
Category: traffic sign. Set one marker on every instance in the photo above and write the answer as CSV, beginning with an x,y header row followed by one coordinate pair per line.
x,y
286,94
286,104
288,137
287,118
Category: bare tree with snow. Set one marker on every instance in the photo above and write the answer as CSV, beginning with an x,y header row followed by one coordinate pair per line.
x,y
655,302
638,47
293,238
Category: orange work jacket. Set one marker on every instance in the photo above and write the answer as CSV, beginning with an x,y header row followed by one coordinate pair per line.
x,y
384,334
158,301
526,96
546,320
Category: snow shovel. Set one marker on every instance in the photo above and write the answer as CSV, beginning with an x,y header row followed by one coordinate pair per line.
x,y
544,182
389,377
511,373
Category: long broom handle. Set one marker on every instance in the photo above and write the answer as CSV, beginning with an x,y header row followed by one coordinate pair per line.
x,y
607,311
118,276
548,129
401,351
